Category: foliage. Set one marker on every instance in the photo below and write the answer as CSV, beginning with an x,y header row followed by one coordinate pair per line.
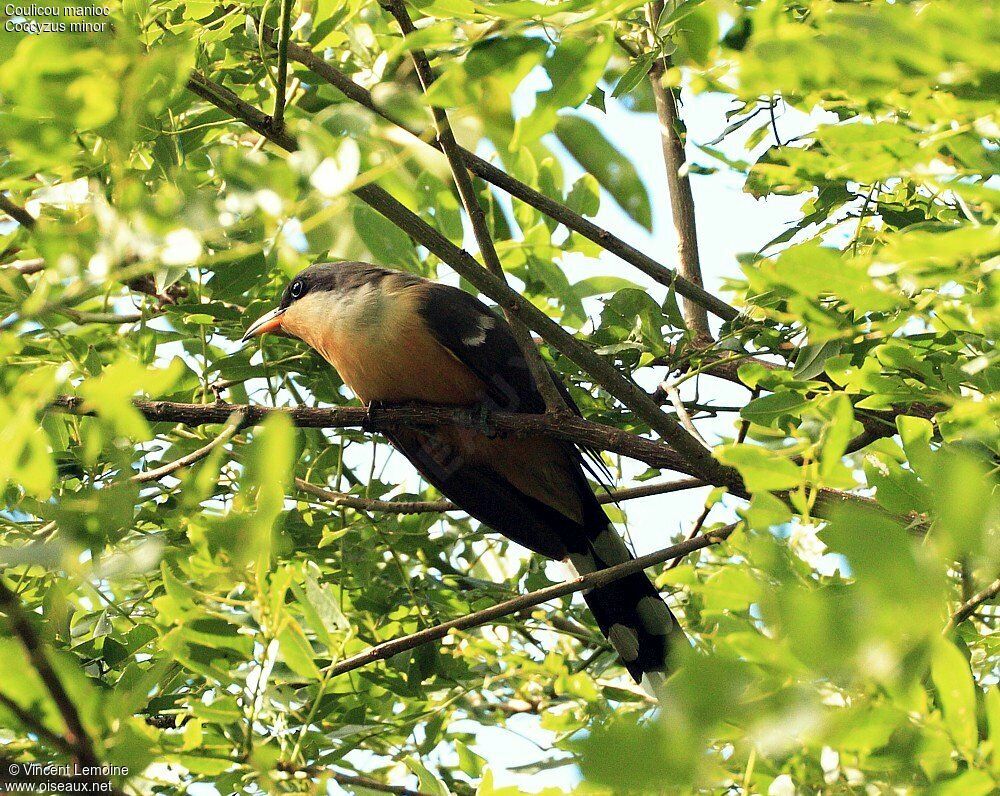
x,y
195,618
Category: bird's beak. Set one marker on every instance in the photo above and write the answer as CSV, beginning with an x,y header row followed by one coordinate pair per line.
x,y
265,324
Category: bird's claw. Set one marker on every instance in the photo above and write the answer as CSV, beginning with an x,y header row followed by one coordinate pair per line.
x,y
486,424
371,409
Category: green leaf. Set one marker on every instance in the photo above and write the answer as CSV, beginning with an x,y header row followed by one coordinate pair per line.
x,y
956,691
761,469
588,146
697,33
811,359
296,650
429,782
916,434
837,435
387,242
768,410
635,73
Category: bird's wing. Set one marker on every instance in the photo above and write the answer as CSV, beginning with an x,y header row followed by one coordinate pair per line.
x,y
484,343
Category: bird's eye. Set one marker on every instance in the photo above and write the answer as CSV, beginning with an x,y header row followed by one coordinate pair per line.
x,y
297,289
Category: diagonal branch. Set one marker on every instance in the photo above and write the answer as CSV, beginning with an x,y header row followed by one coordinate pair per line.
x,y
18,213
76,734
34,725
968,608
600,370
496,176
232,426
678,181
590,581
480,228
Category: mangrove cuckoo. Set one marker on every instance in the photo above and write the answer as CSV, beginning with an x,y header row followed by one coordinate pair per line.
x,y
397,338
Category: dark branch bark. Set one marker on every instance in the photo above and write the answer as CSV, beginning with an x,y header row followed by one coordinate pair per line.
x,y
77,737
571,429
278,117
34,725
26,267
678,185
968,608
350,780
18,213
480,227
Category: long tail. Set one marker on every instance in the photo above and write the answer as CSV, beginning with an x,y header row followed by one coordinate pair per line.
x,y
629,611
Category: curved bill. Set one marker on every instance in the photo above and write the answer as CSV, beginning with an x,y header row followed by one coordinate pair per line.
x,y
265,324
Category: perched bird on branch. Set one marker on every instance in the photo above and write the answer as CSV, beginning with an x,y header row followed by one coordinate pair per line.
x,y
397,338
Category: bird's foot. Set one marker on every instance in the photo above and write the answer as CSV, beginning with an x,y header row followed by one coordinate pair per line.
x,y
372,408
486,423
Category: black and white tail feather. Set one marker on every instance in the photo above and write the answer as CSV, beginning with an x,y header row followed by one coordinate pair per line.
x,y
630,611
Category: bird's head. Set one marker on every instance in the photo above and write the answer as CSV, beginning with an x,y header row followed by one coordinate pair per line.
x,y
320,297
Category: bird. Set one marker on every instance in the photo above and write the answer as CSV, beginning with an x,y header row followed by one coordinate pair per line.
x,y
396,338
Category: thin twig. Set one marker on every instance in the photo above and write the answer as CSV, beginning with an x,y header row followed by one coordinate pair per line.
x,y
968,608
100,317
350,780
34,725
232,426
477,217
372,784
675,399
698,525
26,267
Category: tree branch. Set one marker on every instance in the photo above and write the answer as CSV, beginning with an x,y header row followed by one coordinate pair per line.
x,y
99,317
76,734
678,182
570,429
232,426
968,608
590,581
496,176
18,213
349,780
34,725
480,228
441,506
26,267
